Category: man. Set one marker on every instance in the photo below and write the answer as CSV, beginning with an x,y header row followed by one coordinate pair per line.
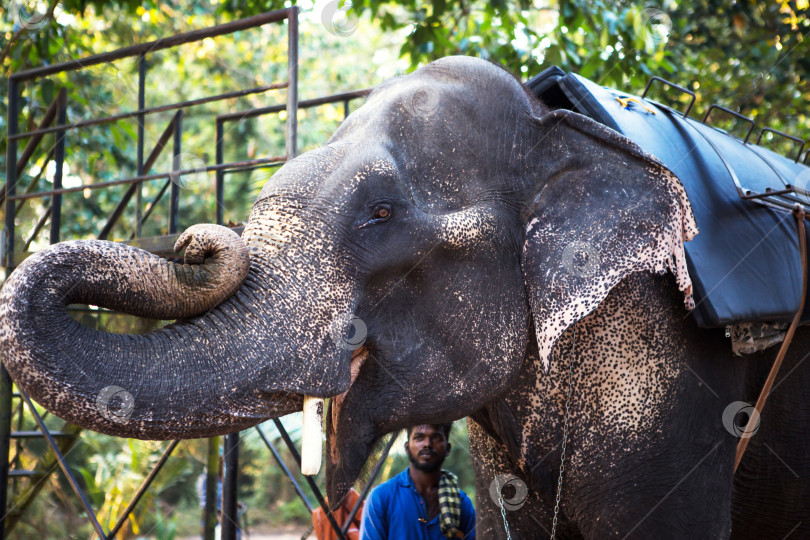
x,y
423,501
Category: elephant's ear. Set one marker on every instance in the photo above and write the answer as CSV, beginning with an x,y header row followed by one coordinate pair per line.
x,y
604,210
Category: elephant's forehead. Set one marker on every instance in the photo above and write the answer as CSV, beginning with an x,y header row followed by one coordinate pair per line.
x,y
379,166
427,99
458,76
348,181
304,176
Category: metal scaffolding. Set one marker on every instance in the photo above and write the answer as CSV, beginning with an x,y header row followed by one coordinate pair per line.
x,y
54,121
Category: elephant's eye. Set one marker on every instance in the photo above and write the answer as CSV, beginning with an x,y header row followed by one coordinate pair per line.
x,y
382,212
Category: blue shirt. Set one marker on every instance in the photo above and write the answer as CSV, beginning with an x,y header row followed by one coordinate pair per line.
x,y
393,510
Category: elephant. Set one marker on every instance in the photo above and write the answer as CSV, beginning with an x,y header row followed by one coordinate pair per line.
x,y
456,249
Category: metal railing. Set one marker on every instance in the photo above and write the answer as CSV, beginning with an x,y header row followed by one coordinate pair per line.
x,y
57,112
54,121
15,165
784,198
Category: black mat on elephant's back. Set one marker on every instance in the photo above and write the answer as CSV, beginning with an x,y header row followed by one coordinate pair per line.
x,y
744,263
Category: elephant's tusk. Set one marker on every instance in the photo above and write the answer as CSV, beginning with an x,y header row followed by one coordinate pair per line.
x,y
312,436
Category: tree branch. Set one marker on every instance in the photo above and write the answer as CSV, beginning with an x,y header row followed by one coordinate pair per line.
x,y
24,30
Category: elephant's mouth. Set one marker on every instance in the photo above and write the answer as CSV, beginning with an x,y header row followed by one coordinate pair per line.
x,y
312,444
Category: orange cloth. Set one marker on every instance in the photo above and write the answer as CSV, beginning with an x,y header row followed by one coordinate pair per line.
x,y
323,529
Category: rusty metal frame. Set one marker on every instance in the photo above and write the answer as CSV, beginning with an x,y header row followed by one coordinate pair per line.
x,y
57,112
676,87
779,199
735,114
801,142
339,530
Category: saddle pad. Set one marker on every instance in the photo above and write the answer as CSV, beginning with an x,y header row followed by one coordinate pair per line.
x,y
744,263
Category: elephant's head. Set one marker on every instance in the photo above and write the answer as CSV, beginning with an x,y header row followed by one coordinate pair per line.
x,y
449,220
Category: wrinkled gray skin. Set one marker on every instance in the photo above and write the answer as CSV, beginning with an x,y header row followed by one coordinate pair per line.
x,y
478,237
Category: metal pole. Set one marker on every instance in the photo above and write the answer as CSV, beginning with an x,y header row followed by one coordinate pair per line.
x,y
61,460
152,46
312,485
152,110
211,489
20,411
142,489
228,167
38,227
153,204
292,79
284,468
122,204
174,193
33,142
11,179
220,182
59,159
8,236
364,494
33,184
305,104
141,120
229,523
5,443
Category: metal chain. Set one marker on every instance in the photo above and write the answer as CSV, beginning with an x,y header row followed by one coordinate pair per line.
x,y
503,510
565,434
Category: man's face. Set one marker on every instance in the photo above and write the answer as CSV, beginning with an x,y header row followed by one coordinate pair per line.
x,y
426,448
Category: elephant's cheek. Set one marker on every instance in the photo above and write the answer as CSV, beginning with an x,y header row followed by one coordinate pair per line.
x,y
358,359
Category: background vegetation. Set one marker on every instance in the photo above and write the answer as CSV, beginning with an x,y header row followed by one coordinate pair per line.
x,y
749,56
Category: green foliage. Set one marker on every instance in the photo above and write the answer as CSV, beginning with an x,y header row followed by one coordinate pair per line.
x,y
165,528
247,59
112,474
109,470
502,31
748,56
752,57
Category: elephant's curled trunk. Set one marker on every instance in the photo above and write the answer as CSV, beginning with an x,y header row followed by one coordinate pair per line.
x,y
185,380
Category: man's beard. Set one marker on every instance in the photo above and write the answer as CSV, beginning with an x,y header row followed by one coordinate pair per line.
x,y
424,467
